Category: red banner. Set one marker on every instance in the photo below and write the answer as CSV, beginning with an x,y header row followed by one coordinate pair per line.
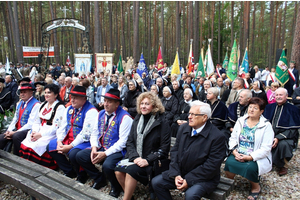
x,y
33,52
159,61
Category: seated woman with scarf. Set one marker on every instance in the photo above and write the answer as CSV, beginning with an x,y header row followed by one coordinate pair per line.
x,y
148,141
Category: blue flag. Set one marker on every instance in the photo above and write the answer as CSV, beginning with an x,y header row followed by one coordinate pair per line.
x,y
245,64
142,66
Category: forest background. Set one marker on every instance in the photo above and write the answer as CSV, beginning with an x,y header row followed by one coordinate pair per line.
x,y
140,27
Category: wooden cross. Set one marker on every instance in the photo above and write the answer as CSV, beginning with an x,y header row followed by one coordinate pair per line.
x,y
65,11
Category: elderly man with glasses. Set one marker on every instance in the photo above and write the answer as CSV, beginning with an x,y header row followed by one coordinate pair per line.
x,y
195,158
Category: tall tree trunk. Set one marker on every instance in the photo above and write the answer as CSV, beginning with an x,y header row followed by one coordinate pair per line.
x,y
30,25
23,23
246,25
149,34
122,29
196,32
6,12
129,30
56,47
40,21
178,24
16,33
212,27
232,24
201,23
274,29
87,15
278,32
97,36
155,28
116,47
253,31
219,32
271,47
294,25
296,42
110,27
241,27
144,46
74,30
162,29
136,32
190,21
283,27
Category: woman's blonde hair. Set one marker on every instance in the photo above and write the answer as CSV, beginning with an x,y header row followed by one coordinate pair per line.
x,y
48,80
155,101
42,91
275,84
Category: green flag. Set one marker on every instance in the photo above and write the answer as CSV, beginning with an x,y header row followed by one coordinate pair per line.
x,y
282,74
200,70
233,63
120,65
225,62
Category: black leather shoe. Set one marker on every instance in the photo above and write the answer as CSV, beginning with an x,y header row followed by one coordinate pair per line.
x,y
71,174
114,193
82,178
98,186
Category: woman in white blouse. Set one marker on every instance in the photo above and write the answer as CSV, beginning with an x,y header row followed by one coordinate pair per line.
x,y
33,147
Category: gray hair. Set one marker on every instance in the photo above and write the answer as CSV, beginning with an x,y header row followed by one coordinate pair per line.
x,y
214,90
247,92
281,88
75,79
204,107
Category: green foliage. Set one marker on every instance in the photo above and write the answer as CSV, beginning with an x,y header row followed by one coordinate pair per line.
x,y
5,119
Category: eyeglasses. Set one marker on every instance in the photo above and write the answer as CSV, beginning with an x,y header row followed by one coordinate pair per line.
x,y
193,114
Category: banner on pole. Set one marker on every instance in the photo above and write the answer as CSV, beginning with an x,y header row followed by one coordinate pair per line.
x,y
33,52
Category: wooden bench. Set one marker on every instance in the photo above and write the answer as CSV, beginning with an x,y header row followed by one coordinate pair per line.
x,y
224,188
41,182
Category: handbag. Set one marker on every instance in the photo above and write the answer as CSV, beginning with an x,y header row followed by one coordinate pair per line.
x,y
161,164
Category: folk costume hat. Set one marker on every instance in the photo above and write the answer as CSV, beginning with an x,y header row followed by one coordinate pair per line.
x,y
26,86
113,94
27,79
78,91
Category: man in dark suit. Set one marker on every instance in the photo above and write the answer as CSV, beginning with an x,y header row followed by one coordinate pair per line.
x,y
293,78
102,90
193,170
12,86
251,71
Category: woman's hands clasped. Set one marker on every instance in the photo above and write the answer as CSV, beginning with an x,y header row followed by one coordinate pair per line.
x,y
141,162
241,157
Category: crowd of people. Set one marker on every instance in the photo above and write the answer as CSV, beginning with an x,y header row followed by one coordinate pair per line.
x,y
74,122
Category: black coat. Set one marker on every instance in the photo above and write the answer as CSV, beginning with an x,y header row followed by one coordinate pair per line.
x,y
130,102
261,95
5,100
171,107
197,159
202,95
179,94
159,137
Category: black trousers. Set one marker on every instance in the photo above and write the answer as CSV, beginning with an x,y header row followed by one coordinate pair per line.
x,y
108,167
17,138
67,166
